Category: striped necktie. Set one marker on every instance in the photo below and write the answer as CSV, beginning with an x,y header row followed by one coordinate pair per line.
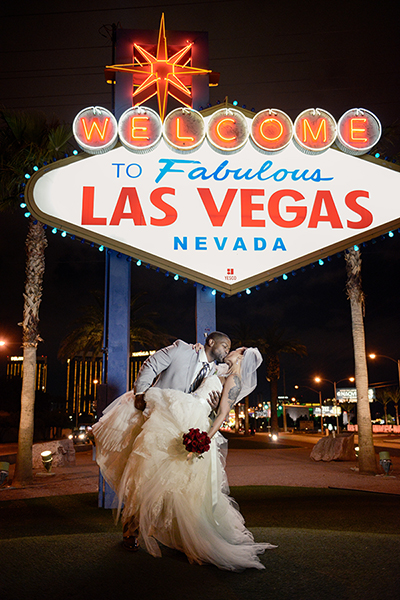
x,y
199,377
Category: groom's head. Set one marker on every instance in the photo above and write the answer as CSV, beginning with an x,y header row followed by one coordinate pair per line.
x,y
217,346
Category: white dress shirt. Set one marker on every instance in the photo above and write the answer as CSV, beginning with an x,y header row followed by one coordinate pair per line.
x,y
201,359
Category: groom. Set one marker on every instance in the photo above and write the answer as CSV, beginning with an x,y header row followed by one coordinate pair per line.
x,y
178,367
181,367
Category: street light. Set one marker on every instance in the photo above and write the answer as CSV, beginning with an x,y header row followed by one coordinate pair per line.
x,y
6,343
296,387
390,358
95,382
334,383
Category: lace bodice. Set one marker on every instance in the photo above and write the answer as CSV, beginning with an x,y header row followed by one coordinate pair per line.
x,y
209,384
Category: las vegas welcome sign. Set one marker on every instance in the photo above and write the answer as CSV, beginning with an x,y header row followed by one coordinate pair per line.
x,y
223,197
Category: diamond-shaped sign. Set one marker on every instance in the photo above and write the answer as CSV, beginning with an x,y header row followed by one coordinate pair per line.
x,y
226,220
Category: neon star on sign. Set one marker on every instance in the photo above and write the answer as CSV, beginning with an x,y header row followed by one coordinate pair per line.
x,y
160,74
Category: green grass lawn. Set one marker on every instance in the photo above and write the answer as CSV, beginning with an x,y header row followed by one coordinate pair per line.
x,y
332,545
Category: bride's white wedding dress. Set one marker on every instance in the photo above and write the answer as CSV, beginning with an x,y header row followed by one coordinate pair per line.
x,y
183,504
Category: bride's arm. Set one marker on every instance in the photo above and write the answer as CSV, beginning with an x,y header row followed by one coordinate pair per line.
x,y
229,396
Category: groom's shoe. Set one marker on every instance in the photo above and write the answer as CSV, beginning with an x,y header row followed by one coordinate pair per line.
x,y
130,543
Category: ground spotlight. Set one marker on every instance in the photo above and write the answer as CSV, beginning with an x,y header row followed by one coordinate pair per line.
x,y
385,461
4,468
47,459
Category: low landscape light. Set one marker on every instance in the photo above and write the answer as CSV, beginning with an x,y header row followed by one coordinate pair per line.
x,y
47,459
385,461
4,468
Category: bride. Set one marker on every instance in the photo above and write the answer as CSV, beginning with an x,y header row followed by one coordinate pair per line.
x,y
170,495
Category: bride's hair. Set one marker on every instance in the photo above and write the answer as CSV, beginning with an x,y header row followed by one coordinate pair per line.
x,y
245,367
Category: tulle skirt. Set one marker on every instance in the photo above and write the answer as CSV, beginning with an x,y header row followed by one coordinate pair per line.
x,y
183,504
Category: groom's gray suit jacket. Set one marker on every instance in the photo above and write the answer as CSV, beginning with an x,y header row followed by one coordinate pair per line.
x,y
174,367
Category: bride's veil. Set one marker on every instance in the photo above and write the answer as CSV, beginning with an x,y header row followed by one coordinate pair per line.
x,y
252,359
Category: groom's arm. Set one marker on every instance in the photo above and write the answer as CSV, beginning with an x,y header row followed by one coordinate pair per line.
x,y
152,367
156,364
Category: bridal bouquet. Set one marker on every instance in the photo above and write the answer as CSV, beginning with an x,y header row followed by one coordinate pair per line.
x,y
196,441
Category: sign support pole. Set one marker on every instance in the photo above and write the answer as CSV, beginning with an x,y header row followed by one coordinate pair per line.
x,y
118,280
205,313
117,302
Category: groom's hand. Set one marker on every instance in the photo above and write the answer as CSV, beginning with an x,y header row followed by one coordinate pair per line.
x,y
140,403
213,399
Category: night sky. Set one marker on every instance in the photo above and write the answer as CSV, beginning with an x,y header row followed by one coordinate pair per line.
x,y
291,56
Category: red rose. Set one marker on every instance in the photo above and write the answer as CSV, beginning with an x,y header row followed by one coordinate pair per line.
x,y
196,441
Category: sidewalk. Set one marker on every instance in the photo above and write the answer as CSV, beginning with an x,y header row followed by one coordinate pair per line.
x,y
251,461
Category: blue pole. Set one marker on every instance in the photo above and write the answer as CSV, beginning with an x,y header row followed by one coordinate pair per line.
x,y
117,304
205,313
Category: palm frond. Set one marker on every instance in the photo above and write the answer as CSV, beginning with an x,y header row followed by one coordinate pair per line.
x,y
26,140
87,335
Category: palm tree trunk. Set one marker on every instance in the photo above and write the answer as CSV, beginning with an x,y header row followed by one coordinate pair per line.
x,y
367,459
23,470
237,410
274,406
35,263
246,416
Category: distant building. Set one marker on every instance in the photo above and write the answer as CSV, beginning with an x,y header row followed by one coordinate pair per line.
x,y
83,377
15,368
84,374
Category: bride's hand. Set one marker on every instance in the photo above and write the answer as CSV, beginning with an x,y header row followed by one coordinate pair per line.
x,y
213,399
197,347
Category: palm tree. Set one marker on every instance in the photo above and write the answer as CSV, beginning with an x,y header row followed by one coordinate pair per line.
x,y
87,336
26,139
390,395
366,456
272,343
395,400
384,397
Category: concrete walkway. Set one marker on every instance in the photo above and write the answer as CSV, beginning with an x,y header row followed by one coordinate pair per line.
x,y
251,461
